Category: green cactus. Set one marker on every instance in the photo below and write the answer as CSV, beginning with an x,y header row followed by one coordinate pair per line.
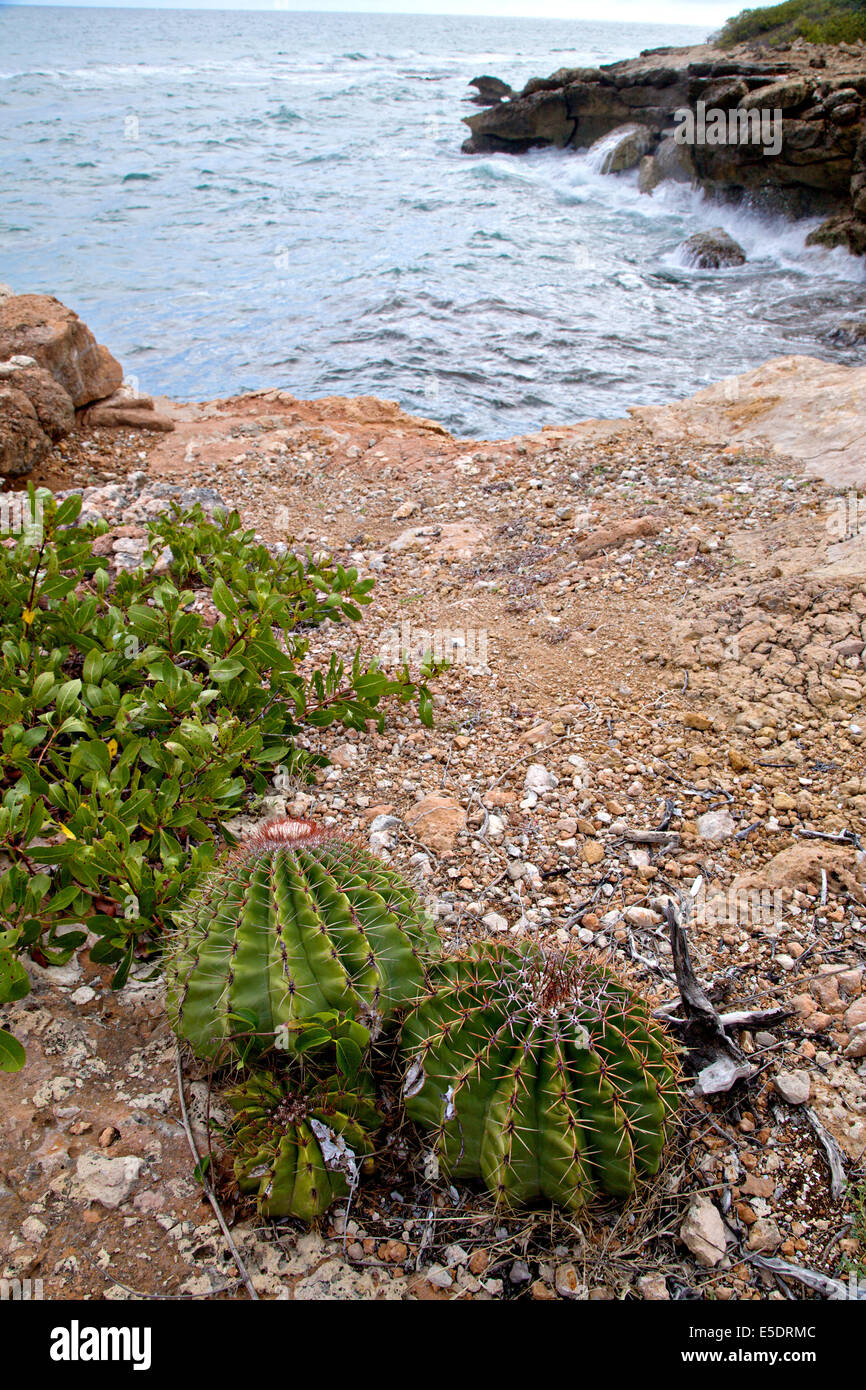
x,y
297,1149
295,922
542,1075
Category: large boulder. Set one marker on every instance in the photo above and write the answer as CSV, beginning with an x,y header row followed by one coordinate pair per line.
x,y
54,409
675,162
39,326
514,126
23,442
713,250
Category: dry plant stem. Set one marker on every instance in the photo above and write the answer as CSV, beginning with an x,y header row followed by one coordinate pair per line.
x,y
838,1180
208,1190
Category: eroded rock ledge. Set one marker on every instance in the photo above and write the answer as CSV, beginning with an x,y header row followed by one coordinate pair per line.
x,y
820,91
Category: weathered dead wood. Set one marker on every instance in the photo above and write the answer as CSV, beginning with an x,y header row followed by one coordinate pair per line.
x,y
835,1157
668,838
711,1050
821,1283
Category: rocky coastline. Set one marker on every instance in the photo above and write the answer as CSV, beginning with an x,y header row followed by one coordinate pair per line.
x,y
817,92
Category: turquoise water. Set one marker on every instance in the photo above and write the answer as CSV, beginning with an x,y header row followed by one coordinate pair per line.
x,y
241,200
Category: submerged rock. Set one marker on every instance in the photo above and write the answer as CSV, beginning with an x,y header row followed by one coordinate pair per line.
x,y
713,250
849,332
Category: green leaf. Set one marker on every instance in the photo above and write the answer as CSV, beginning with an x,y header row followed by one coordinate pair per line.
x,y
224,600
311,1039
14,981
12,1054
349,1056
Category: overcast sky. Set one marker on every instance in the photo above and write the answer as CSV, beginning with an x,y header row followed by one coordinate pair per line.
x,y
704,13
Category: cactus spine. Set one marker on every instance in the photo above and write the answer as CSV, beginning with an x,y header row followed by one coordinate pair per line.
x,y
543,1076
294,922
297,1150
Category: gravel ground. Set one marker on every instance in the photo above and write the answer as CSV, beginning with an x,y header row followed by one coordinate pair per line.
x,y
643,638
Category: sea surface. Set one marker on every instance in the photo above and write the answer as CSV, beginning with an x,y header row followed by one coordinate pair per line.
x,y
244,200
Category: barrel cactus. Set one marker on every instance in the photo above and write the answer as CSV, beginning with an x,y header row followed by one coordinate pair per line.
x,y
294,922
540,1074
297,1148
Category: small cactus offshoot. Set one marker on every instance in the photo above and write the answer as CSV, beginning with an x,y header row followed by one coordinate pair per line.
x,y
298,1149
296,921
540,1074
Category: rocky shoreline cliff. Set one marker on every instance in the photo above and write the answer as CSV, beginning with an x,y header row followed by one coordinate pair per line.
x,y
818,91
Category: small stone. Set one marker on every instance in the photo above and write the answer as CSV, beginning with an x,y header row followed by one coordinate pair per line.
x,y
519,1272
764,1235
542,1292
439,1277
703,1231
592,852
793,1086
653,1287
567,1283
716,825
108,1181
493,921
34,1230
539,779
642,916
437,821
478,1261
394,1252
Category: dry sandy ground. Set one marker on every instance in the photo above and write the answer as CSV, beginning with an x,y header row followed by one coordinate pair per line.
x,y
659,628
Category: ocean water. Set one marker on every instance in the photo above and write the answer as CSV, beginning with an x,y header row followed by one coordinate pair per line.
x,y
244,200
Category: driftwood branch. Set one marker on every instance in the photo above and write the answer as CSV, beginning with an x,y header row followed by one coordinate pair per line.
x,y
821,1283
835,1157
668,838
712,1052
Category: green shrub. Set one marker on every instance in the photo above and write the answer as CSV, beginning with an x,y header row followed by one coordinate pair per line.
x,y
817,21
132,730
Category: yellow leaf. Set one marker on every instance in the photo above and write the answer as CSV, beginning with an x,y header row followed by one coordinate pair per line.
x,y
112,747
28,615
68,833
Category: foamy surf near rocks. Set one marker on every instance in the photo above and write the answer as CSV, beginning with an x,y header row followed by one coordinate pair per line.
x,y
622,149
805,126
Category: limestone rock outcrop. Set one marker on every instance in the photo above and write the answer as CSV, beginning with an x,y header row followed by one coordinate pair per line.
x,y
794,125
39,326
